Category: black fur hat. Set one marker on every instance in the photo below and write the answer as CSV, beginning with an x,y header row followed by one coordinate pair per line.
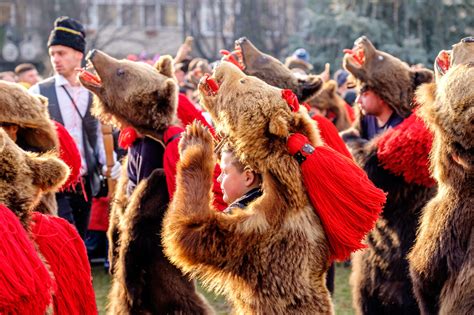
x,y
68,32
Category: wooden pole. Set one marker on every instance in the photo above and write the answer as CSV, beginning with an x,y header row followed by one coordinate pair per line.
x,y
109,156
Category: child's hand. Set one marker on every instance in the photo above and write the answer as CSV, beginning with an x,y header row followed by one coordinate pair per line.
x,y
196,135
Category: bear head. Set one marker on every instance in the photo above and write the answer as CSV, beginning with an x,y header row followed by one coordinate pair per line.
x,y
391,78
448,109
30,113
254,116
131,93
269,69
25,176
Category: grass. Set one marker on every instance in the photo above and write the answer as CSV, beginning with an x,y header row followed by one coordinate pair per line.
x,y
341,299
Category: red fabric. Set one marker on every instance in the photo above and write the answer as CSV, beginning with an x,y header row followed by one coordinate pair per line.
x,y
345,200
99,219
350,112
171,158
404,151
64,251
290,99
331,136
127,137
69,153
187,112
25,284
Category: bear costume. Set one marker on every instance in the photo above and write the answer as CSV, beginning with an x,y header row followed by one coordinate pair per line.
x,y
442,259
136,95
272,256
397,162
24,177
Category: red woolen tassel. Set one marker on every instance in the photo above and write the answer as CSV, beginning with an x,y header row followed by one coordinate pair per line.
x,y
346,201
64,250
69,153
127,137
25,284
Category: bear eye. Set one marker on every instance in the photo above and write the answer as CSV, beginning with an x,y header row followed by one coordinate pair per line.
x,y
120,72
242,81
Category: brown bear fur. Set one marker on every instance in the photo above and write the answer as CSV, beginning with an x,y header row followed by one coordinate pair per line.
x,y
25,176
274,72
270,258
327,100
380,277
36,131
442,259
391,78
144,281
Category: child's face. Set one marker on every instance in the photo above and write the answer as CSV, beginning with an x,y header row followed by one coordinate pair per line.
x,y
234,184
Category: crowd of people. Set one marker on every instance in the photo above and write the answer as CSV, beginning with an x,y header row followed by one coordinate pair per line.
x,y
368,101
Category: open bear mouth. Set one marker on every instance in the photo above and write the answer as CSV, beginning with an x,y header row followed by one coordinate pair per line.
x,y
236,56
357,53
443,61
209,85
89,77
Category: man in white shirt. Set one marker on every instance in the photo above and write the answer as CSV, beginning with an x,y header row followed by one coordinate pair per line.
x,y
69,104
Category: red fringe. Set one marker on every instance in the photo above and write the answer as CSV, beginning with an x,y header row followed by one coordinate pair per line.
x,y
64,250
69,153
346,201
127,137
25,284
404,151
330,135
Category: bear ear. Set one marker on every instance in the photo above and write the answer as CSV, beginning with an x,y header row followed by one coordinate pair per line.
x,y
331,87
164,65
42,99
278,125
422,76
49,172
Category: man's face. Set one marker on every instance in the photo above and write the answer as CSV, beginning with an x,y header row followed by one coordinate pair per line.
x,y
64,59
31,77
370,103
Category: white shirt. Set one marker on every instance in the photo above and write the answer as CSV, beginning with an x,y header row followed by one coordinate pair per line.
x,y
71,119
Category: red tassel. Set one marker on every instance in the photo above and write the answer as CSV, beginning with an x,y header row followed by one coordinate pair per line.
x,y
69,153
25,284
64,250
127,137
346,201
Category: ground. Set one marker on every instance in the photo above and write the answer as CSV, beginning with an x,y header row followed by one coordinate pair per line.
x,y
342,298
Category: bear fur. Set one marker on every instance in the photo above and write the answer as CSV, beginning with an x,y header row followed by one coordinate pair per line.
x,y
25,176
270,258
273,71
332,105
442,259
380,278
144,281
36,131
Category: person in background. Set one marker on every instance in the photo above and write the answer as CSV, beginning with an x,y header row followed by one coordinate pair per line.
x,y
344,89
69,104
8,76
27,74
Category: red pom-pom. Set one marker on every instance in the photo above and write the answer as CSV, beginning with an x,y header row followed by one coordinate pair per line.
x,y
25,284
65,253
404,150
290,99
69,154
345,200
127,137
